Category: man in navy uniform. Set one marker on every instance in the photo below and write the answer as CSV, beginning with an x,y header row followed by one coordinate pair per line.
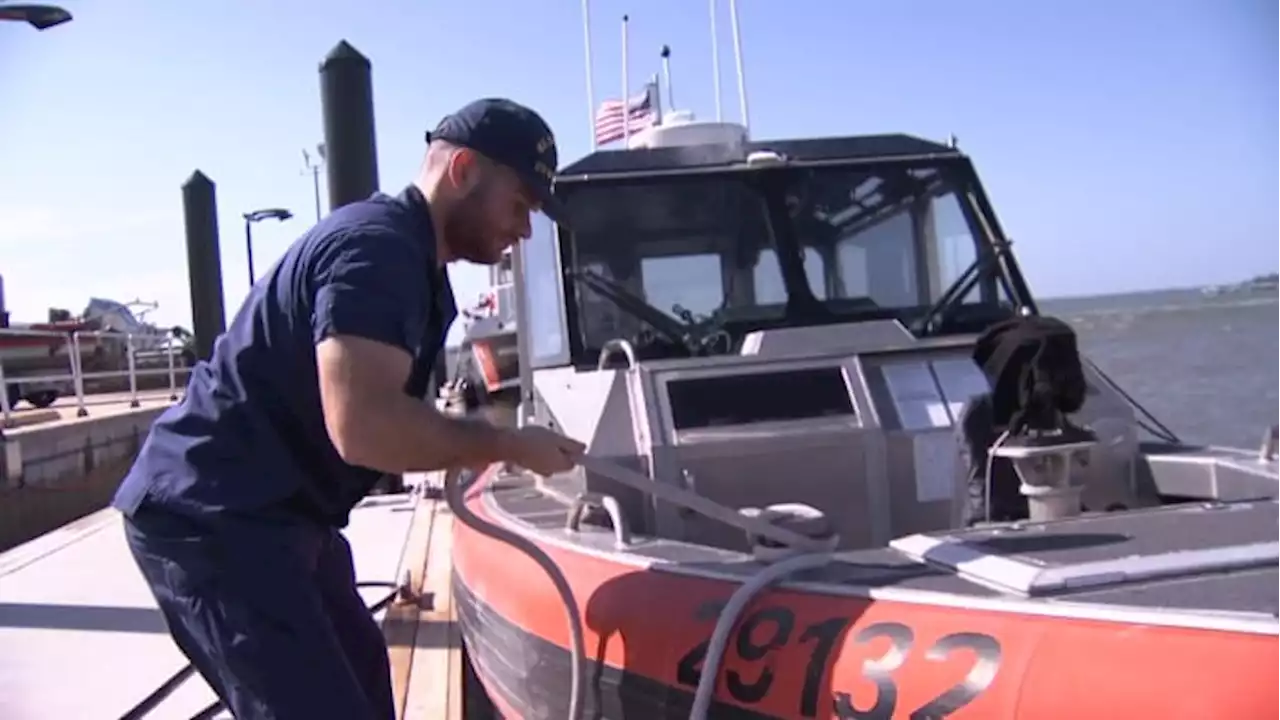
x,y
234,504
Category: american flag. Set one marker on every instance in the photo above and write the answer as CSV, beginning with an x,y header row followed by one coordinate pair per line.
x,y
642,113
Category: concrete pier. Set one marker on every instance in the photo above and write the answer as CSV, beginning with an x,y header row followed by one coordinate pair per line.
x,y
58,467
72,602
80,635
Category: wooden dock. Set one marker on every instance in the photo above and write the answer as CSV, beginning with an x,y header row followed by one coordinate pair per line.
x,y
423,640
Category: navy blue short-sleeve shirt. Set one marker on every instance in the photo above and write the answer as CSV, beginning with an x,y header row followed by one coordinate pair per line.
x,y
249,437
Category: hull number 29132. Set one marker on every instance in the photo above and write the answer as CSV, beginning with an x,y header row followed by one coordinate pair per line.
x,y
764,632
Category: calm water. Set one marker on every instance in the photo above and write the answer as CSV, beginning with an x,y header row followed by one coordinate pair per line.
x,y
1206,367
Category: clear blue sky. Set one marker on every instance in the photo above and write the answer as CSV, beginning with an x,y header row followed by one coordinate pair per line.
x,y
1126,145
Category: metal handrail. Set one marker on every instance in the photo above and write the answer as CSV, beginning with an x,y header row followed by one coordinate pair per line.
x,y
149,347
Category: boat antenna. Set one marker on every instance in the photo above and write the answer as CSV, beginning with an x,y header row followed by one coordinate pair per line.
x,y
715,64
626,91
654,92
591,94
737,58
666,72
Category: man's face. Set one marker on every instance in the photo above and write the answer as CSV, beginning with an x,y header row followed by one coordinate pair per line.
x,y
492,213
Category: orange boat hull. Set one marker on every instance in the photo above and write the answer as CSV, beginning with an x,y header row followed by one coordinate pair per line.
x,y
799,655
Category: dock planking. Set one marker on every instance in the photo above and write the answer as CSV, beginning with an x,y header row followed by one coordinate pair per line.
x,y
424,643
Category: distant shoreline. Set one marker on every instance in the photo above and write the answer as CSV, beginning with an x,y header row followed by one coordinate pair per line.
x,y
1261,283
1177,300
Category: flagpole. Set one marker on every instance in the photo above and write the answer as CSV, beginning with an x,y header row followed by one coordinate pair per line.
x,y
737,57
715,64
626,91
666,70
591,96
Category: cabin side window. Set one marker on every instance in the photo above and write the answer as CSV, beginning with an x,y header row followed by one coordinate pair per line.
x,y
879,261
956,247
542,294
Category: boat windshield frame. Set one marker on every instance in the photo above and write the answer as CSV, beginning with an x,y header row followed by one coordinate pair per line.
x,y
973,294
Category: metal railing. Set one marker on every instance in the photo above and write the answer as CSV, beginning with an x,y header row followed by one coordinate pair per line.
x,y
115,355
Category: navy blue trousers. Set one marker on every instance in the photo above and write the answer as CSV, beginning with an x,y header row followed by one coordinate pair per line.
x,y
268,613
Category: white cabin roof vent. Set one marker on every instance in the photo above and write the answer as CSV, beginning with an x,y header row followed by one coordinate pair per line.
x,y
765,158
680,128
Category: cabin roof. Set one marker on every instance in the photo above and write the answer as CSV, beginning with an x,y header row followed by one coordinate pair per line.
x,y
857,147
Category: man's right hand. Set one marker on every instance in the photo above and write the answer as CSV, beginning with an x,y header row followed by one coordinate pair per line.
x,y
542,451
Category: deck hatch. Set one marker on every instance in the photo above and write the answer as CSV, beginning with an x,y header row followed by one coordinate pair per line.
x,y
1091,552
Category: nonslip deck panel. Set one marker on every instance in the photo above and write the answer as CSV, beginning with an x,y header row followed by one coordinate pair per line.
x,y
1227,551
1092,538
1195,526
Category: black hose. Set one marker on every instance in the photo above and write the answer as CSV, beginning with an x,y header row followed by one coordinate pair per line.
x,y
455,488
139,711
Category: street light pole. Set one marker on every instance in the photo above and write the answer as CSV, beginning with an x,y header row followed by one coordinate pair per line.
x,y
314,168
248,245
257,216
40,17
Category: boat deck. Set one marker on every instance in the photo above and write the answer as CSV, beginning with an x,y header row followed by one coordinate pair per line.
x,y
1197,564
80,636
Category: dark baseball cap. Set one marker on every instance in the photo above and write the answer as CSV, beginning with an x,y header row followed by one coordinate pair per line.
x,y
512,135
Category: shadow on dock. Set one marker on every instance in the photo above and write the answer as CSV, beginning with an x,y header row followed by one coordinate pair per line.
x,y
43,616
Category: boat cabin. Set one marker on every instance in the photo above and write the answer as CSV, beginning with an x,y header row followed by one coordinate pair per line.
x,y
778,322
669,244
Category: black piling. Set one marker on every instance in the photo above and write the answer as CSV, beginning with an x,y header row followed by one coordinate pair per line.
x,y
346,97
204,262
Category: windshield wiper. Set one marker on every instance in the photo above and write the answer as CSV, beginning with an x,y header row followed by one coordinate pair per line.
x,y
636,307
695,336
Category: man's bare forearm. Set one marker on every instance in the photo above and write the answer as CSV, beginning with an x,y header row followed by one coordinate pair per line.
x,y
406,435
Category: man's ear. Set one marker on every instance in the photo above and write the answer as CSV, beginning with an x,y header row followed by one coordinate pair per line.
x,y
462,169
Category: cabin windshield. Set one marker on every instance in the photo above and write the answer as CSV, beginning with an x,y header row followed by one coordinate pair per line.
x,y
748,250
